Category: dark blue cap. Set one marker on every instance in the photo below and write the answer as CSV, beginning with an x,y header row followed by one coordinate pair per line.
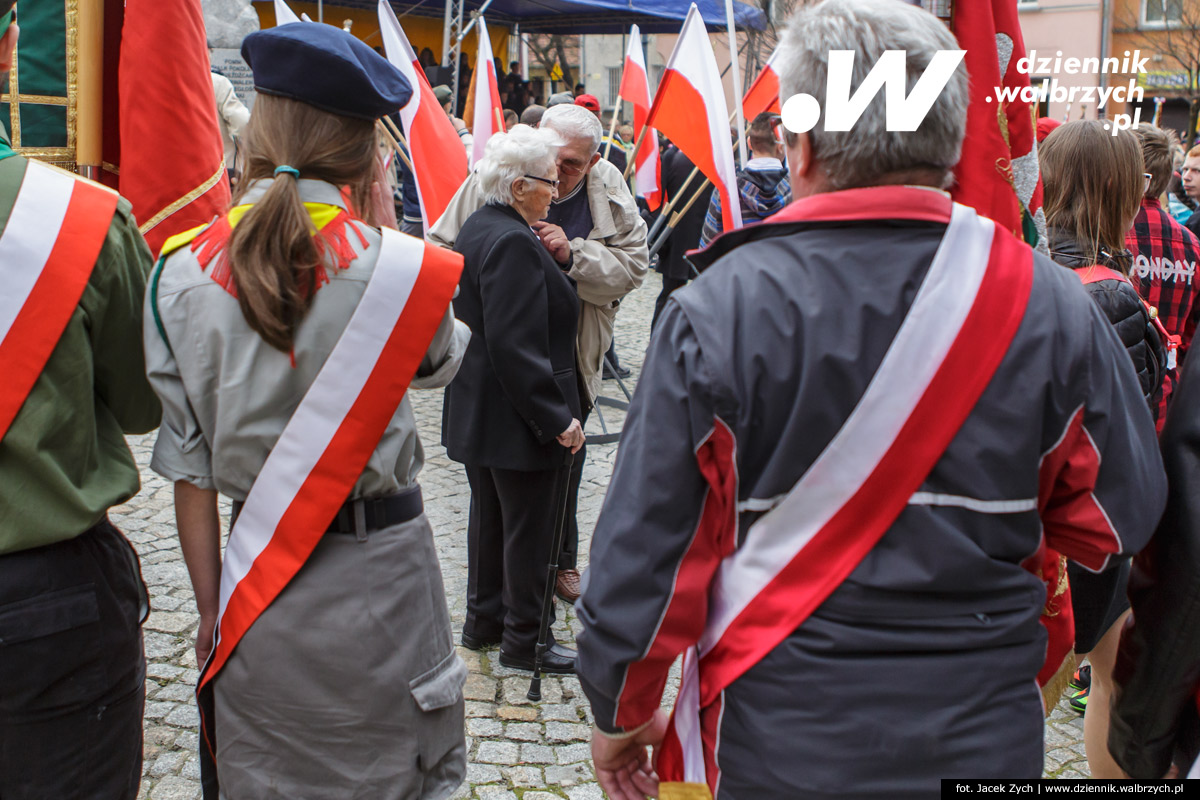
x,y
325,67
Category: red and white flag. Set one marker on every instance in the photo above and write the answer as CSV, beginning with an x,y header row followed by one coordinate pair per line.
x,y
284,13
690,110
764,92
489,116
438,158
173,162
635,88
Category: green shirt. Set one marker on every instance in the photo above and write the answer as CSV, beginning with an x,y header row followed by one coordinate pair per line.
x,y
64,460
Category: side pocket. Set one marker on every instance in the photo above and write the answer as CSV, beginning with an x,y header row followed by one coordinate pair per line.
x,y
50,654
441,686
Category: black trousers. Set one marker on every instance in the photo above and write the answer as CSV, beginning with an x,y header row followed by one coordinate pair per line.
x,y
509,535
569,557
668,285
72,669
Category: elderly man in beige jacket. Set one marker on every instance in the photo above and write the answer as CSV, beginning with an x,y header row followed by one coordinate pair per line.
x,y
595,232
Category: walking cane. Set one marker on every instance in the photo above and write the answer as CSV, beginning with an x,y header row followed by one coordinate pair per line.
x,y
562,487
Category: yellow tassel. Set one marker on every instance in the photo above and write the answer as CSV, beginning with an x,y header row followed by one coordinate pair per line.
x,y
683,791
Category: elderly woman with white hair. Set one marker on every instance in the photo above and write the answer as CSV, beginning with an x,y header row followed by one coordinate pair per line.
x,y
513,412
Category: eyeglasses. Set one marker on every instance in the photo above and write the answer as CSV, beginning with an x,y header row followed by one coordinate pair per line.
x,y
547,181
1148,178
570,169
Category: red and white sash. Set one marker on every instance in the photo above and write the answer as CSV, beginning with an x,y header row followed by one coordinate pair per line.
x,y
948,348
326,444
48,248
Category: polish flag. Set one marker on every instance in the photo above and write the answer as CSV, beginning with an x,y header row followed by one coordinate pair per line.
x,y
690,110
764,92
635,87
489,116
438,158
284,13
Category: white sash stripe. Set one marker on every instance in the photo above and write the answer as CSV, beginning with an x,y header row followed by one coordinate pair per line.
x,y
324,407
921,345
41,207
974,503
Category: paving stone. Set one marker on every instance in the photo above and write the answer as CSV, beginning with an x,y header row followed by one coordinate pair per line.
x,y
537,754
564,712
540,796
567,732
494,793
523,777
483,773
589,791
166,762
498,753
173,787
183,716
485,728
523,731
515,713
567,776
573,753
170,621
480,687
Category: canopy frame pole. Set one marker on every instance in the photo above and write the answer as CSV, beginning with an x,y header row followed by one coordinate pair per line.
x,y
451,51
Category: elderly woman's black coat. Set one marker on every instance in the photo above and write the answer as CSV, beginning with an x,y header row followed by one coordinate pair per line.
x,y
517,387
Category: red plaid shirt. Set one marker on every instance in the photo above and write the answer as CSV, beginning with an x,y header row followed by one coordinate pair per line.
x,y
1165,258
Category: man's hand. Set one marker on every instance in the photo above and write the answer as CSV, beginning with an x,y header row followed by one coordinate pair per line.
x,y
572,437
623,765
554,239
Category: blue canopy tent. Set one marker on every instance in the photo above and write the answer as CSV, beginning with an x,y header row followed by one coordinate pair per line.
x,y
583,16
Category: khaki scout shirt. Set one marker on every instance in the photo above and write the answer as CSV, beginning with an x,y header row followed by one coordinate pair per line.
x,y
227,394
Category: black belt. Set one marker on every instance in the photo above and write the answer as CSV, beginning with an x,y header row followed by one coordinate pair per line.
x,y
376,514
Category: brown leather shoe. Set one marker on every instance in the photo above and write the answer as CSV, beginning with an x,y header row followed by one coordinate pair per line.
x,y
567,585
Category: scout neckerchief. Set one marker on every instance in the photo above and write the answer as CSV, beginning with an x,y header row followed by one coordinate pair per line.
x,y
949,346
54,234
325,446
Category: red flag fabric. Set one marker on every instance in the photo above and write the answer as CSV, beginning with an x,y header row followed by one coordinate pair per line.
x,y
690,110
438,158
635,88
998,172
489,115
764,92
173,162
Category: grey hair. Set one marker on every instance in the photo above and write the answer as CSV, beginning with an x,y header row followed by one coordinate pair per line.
x,y
859,156
574,122
510,156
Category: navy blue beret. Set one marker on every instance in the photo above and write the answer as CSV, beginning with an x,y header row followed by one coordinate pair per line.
x,y
325,67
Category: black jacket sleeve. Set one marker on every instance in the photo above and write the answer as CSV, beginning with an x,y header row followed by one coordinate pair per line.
x,y
1158,664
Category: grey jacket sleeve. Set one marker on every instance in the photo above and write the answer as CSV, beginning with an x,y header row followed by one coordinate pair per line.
x,y
659,538
1158,665
445,353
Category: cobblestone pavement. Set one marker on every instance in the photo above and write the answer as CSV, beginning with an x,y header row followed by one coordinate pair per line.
x,y
517,749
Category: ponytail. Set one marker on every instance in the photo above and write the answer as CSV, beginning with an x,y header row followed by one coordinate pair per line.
x,y
272,253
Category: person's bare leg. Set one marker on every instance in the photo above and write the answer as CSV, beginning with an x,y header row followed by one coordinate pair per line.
x,y
1095,722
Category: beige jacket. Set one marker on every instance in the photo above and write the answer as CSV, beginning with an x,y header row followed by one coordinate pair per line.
x,y
232,116
608,265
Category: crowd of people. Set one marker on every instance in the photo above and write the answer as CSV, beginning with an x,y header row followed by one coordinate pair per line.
x,y
872,447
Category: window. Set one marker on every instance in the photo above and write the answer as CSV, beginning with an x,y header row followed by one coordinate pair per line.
x,y
1161,12
614,85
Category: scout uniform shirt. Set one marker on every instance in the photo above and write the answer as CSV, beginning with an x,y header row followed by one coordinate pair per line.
x,y
64,461
223,445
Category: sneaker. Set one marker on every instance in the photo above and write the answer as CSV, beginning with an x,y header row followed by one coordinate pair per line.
x,y
1082,679
1078,701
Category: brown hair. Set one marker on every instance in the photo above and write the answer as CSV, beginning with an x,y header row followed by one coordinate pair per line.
x,y
1093,184
760,135
272,251
1156,155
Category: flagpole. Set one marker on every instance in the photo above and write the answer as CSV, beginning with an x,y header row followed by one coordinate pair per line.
x,y
678,215
387,136
89,137
632,165
396,132
612,126
735,69
665,211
